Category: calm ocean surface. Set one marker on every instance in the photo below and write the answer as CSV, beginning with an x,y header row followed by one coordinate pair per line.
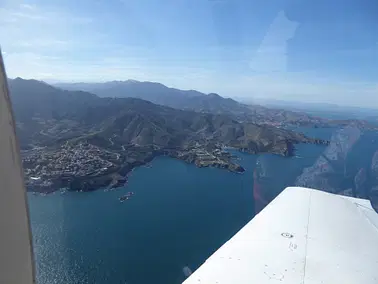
x,y
177,218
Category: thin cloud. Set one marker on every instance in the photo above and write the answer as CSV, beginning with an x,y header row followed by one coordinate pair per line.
x,y
30,28
42,43
28,6
30,16
34,15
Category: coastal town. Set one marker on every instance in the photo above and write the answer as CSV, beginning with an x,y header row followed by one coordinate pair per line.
x,y
76,165
42,168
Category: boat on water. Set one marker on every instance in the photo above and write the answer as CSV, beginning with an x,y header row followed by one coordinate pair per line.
x,y
126,196
123,198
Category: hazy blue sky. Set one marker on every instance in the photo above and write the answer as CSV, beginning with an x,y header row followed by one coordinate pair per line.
x,y
299,50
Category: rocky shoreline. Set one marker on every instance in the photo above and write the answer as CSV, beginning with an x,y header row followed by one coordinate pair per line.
x,y
119,176
110,169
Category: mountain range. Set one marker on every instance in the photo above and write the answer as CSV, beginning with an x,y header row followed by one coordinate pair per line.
x,y
78,140
162,95
82,141
47,115
210,103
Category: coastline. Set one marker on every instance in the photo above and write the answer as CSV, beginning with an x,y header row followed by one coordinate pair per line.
x,y
119,177
219,157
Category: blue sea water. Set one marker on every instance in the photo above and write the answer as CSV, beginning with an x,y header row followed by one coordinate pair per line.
x,y
177,218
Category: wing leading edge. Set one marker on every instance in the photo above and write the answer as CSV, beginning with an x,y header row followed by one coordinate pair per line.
x,y
303,236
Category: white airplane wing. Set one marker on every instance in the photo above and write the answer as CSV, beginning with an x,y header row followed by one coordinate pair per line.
x,y
16,261
303,236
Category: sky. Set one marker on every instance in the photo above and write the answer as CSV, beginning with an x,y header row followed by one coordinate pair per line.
x,y
303,50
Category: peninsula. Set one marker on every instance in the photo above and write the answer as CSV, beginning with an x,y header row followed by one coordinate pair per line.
x,y
79,141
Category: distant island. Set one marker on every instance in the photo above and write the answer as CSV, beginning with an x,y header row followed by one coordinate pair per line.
x,y
82,142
